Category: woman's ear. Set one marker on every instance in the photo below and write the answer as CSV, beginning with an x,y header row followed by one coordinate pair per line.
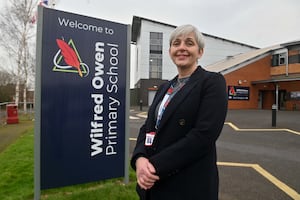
x,y
201,51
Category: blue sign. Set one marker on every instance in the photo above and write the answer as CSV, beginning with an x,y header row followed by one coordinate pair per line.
x,y
83,89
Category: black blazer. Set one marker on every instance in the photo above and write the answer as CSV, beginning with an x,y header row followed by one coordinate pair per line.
x,y
184,150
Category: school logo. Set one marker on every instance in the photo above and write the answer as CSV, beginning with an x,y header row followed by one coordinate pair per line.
x,y
67,59
232,91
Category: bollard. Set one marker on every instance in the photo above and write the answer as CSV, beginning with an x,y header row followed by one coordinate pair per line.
x,y
141,105
274,112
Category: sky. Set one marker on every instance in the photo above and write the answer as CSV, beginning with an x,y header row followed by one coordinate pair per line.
x,y
260,23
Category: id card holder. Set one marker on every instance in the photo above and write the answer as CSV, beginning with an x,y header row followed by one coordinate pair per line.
x,y
149,138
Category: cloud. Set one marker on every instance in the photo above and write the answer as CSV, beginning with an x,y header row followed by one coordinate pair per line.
x,y
258,22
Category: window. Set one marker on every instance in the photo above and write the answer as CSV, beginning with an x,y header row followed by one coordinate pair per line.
x,y
278,59
155,58
155,64
294,59
293,95
282,59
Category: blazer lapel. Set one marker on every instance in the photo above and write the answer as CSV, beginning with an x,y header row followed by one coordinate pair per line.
x,y
155,103
180,96
160,95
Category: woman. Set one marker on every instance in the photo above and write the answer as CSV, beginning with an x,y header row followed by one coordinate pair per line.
x,y
175,154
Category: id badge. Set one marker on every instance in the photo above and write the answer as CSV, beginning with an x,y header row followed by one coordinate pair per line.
x,y
149,138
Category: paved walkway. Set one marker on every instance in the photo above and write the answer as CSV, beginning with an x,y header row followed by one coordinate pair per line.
x,y
262,119
10,132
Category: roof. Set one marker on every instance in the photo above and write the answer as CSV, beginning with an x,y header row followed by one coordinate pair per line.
x,y
136,27
275,80
292,43
233,63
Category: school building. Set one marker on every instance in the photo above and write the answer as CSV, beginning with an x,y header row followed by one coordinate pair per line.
x,y
151,65
256,78
263,77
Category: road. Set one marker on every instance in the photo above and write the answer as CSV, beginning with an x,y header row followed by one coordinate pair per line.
x,y
256,161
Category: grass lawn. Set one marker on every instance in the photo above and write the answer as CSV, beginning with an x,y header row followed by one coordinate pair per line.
x,y
16,178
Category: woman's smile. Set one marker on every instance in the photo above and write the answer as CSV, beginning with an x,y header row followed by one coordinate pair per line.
x,y
185,52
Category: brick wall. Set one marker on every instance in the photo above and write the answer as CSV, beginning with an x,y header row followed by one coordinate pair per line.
x,y
259,70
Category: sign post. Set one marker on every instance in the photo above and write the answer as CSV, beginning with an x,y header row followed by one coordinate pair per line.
x,y
82,99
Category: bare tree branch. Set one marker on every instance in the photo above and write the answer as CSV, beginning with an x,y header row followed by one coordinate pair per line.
x,y
17,32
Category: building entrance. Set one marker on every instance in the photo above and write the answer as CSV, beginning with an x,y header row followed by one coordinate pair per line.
x,y
268,97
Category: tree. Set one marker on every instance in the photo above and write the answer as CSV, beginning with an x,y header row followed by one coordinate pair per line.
x,y
5,78
6,92
18,39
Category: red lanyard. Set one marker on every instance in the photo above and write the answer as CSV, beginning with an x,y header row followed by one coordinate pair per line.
x,y
166,100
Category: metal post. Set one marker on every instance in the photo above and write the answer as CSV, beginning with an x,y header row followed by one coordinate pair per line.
x,y
274,113
141,105
277,99
126,167
37,125
275,106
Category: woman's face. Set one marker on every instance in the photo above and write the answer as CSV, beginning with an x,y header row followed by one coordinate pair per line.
x,y
184,51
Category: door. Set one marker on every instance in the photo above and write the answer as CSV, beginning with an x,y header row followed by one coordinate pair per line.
x,y
281,99
151,94
260,99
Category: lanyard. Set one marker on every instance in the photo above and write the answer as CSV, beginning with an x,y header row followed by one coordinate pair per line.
x,y
166,100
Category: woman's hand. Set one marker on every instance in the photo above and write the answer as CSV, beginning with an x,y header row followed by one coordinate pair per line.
x,y
145,173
